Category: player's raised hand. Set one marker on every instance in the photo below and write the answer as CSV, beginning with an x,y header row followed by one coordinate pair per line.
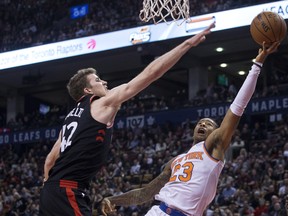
x,y
265,51
107,208
201,36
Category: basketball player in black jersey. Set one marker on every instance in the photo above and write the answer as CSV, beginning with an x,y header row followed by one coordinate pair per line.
x,y
84,140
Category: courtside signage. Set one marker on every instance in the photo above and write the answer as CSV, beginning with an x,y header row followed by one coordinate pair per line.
x,y
271,105
145,34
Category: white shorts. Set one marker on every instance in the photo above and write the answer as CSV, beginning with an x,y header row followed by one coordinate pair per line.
x,y
155,211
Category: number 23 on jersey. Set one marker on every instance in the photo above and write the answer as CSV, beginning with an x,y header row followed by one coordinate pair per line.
x,y
182,172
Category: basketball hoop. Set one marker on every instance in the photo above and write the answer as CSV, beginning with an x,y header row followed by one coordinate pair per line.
x,y
164,10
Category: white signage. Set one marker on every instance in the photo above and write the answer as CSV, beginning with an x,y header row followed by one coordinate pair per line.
x,y
144,34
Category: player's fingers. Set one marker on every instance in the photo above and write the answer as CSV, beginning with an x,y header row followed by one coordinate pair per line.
x,y
111,208
103,212
203,38
107,207
273,47
207,30
104,207
113,211
264,46
212,25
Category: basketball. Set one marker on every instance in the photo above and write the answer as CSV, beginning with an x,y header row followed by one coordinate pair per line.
x,y
269,27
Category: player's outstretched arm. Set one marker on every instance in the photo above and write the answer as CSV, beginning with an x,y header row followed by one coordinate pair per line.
x,y
221,137
154,70
52,157
137,196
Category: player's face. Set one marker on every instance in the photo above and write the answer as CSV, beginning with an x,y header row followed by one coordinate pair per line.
x,y
96,85
203,129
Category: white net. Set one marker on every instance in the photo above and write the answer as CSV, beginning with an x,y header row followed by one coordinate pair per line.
x,y
164,10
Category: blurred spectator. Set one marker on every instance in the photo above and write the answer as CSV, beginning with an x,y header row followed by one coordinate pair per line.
x,y
270,193
276,209
228,191
160,145
135,168
246,209
262,209
283,190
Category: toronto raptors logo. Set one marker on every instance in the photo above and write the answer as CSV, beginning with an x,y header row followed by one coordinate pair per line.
x,y
91,44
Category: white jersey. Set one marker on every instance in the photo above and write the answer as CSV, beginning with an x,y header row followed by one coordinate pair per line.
x,y
193,182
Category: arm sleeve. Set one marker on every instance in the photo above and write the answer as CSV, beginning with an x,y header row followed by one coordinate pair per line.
x,y
246,91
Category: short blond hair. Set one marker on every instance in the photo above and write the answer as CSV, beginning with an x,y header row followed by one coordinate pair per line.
x,y
78,82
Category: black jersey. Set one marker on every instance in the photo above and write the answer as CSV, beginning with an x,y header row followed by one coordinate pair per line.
x,y
84,145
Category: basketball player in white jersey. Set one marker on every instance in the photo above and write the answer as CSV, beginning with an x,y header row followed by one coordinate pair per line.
x,y
188,182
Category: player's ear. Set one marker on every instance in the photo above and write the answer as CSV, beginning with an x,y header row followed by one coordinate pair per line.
x,y
88,91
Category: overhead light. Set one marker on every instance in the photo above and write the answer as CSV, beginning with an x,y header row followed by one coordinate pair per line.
x,y
223,65
219,49
241,73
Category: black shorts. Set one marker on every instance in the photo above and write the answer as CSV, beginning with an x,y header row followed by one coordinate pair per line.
x,y
64,198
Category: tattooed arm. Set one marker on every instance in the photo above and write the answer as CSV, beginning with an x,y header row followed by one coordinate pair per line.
x,y
139,195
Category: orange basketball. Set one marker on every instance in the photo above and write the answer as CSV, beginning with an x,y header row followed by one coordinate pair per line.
x,y
269,27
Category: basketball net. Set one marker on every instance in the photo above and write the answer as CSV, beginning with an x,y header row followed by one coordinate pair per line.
x,y
164,10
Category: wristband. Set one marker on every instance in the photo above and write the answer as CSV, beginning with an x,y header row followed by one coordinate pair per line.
x,y
258,64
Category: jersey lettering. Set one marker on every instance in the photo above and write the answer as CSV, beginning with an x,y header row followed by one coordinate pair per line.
x,y
66,138
76,112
